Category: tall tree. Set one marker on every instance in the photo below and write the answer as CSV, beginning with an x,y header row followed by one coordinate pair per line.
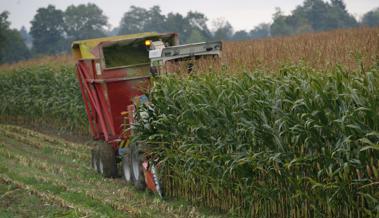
x,y
12,46
4,26
113,32
315,11
47,31
371,18
155,20
223,29
192,27
84,21
195,36
26,37
179,24
241,35
280,26
313,15
198,21
139,19
339,17
261,31
15,49
133,21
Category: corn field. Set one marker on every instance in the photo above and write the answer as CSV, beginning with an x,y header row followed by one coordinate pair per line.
x,y
285,127
42,95
299,143
351,48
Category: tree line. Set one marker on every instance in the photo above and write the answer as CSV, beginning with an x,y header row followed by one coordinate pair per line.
x,y
53,30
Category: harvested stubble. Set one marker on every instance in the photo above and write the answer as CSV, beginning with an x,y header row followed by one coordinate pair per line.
x,y
299,143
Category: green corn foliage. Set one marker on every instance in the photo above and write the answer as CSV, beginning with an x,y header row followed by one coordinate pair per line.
x,y
44,95
298,143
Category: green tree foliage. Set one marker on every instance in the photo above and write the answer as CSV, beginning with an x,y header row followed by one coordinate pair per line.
x,y
337,16
371,18
134,20
179,24
26,37
241,35
15,49
313,15
112,32
195,36
4,26
261,31
48,31
280,27
12,46
198,22
84,21
155,20
191,28
139,19
223,29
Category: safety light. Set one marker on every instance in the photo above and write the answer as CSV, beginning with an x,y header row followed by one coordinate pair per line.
x,y
148,43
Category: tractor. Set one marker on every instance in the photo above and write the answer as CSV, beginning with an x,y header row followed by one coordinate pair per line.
x,y
113,74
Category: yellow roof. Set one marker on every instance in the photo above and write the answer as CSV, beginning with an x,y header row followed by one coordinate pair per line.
x,y
83,48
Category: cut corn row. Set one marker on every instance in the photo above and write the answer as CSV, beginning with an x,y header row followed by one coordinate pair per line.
x,y
83,212
40,144
39,140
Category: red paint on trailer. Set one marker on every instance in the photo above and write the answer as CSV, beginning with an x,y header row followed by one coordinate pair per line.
x,y
106,96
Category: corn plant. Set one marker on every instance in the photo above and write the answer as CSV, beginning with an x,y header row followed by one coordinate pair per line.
x,y
43,95
298,143
255,136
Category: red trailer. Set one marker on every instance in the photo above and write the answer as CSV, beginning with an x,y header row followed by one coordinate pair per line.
x,y
113,71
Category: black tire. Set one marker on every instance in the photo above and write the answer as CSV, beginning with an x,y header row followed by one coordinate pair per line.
x,y
138,176
95,158
127,172
107,161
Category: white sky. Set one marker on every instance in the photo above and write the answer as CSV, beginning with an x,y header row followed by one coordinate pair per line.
x,y
242,14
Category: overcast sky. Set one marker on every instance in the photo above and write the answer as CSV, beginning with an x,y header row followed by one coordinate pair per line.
x,y
242,14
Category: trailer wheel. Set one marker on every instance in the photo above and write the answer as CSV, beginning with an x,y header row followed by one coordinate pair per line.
x,y
95,159
126,168
107,161
138,176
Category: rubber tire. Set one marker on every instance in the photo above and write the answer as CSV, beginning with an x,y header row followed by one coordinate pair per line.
x,y
107,160
95,159
126,166
138,176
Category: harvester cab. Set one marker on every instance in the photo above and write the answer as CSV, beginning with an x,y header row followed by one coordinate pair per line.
x,y
112,73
